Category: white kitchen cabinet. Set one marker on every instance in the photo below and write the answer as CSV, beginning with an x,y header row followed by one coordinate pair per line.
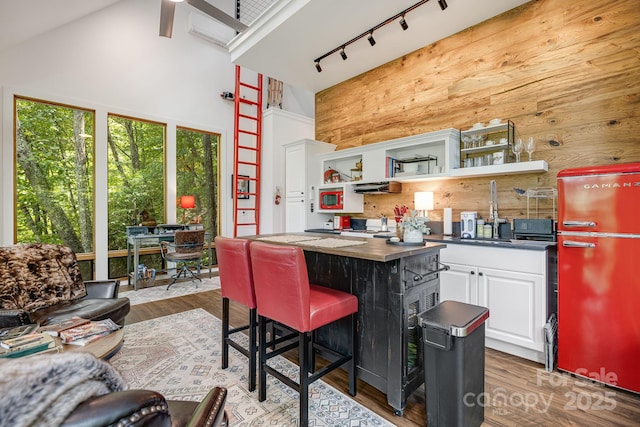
x,y
279,127
511,283
295,170
302,176
459,283
383,161
295,214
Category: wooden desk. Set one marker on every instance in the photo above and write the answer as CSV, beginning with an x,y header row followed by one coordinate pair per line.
x,y
138,240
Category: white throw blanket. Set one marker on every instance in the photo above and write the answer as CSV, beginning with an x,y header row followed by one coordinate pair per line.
x,y
45,389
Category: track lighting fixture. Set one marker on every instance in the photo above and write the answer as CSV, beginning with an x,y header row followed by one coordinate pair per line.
x,y
372,41
369,33
403,24
443,4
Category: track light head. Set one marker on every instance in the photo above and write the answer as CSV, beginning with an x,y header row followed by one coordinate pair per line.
x,y
343,54
403,24
318,67
443,4
371,39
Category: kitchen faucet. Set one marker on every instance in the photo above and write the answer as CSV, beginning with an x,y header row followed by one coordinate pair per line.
x,y
493,206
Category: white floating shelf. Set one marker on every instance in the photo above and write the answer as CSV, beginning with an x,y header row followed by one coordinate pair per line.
x,y
507,168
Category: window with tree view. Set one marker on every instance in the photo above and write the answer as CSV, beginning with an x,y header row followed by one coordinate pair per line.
x,y
197,176
54,174
135,175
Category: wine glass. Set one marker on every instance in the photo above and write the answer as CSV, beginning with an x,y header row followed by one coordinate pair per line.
x,y
530,147
518,147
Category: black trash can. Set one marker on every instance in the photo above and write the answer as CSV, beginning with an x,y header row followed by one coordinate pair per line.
x,y
453,336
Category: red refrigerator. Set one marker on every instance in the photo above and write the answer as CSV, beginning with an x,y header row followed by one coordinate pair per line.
x,y
598,278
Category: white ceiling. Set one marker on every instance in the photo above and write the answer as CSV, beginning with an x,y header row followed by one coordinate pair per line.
x,y
284,41
21,20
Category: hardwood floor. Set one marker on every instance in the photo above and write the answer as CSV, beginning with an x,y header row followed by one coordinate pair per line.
x,y
517,392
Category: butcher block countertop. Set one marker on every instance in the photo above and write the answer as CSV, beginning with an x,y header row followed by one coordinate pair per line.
x,y
353,247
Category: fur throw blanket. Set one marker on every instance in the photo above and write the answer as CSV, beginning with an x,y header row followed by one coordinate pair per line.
x,y
45,389
38,275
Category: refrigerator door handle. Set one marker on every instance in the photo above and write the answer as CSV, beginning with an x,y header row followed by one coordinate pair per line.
x,y
571,244
578,223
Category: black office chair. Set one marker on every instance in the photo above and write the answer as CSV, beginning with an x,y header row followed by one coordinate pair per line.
x,y
187,246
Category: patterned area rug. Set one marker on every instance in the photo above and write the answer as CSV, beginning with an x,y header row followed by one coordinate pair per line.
x,y
178,289
179,356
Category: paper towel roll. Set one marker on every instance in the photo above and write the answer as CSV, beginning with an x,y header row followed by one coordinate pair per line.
x,y
448,224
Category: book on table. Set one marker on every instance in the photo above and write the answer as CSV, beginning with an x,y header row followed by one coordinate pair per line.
x,y
88,332
17,331
54,329
25,345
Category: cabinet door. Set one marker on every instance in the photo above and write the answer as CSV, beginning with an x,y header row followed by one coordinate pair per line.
x,y
459,283
295,169
295,214
516,304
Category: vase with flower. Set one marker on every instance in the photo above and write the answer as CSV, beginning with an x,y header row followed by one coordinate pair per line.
x,y
413,227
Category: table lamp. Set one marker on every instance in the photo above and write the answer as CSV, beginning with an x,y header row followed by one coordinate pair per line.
x,y
423,201
187,202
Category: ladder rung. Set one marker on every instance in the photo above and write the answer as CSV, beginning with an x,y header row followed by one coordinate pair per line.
x,y
244,116
247,209
246,223
248,132
246,147
246,101
249,86
240,162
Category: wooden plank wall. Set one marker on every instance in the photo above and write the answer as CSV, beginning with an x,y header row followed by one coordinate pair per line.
x,y
561,71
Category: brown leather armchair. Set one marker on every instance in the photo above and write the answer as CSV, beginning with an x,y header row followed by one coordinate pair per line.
x,y
149,408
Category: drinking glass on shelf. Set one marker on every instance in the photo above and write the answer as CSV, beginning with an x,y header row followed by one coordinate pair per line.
x,y
530,147
518,147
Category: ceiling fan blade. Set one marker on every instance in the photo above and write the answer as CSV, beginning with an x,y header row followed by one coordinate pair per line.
x,y
167,10
217,14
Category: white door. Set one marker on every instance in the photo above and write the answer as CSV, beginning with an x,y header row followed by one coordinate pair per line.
x,y
295,214
295,170
516,303
459,283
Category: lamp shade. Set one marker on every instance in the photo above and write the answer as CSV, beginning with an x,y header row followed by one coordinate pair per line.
x,y
423,200
187,202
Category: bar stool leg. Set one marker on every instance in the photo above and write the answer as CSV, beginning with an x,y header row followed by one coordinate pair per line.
x,y
303,352
352,348
262,358
253,350
225,333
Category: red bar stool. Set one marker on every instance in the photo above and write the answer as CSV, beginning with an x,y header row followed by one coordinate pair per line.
x,y
236,283
284,294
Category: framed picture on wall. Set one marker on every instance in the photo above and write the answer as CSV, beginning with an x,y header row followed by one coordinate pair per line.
x,y
243,186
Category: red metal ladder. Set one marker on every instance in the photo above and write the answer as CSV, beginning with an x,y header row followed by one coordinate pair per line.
x,y
247,142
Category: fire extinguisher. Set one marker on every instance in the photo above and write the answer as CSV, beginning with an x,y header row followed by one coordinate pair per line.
x,y
278,197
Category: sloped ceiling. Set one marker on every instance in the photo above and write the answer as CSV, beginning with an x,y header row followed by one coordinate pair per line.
x,y
284,41
21,20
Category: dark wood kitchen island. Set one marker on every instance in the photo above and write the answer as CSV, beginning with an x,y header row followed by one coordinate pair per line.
x,y
393,283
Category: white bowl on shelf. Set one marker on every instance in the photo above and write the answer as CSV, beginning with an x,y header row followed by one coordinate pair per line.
x,y
494,122
477,126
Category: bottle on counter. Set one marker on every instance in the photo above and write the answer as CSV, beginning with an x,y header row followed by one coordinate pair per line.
x,y
480,227
488,231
